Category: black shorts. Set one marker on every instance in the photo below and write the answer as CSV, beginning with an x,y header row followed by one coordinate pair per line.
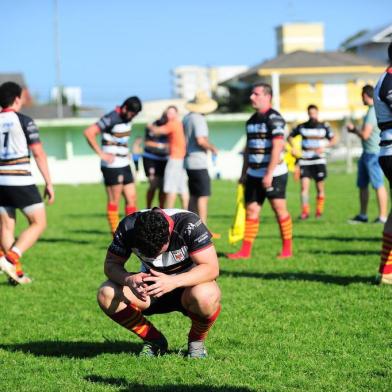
x,y
386,166
154,167
117,175
316,172
170,302
254,190
199,182
19,196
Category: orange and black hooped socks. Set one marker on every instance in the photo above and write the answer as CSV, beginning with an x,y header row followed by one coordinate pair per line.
x,y
112,215
305,211
129,210
251,230
320,206
201,326
286,233
386,254
13,256
131,318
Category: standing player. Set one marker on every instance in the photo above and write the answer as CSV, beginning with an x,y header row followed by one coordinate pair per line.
x,y
115,129
196,159
18,137
179,268
156,152
175,181
264,172
316,135
383,106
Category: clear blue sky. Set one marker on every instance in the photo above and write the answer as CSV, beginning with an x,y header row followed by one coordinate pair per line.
x,y
113,49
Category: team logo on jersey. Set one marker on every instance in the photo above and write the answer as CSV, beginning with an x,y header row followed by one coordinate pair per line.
x,y
178,255
192,226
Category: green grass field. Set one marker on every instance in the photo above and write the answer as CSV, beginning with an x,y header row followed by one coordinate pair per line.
x,y
313,323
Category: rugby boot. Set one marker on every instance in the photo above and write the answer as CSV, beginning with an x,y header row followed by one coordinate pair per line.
x,y
197,349
14,271
154,348
386,279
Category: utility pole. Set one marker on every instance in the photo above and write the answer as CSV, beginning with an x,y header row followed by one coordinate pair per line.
x,y
57,60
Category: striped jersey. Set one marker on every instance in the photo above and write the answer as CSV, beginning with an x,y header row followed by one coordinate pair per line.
x,y
383,107
189,236
115,132
261,129
315,135
17,133
156,146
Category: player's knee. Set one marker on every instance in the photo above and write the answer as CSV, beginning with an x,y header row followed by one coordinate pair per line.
x,y
105,296
207,298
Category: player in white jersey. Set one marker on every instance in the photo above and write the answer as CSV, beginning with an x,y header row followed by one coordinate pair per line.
x,y
383,107
18,137
316,136
115,129
179,266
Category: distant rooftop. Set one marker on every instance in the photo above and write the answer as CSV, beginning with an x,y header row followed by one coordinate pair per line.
x,y
381,34
305,59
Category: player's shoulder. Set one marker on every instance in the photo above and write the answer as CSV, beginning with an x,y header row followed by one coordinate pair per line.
x,y
273,114
184,221
23,118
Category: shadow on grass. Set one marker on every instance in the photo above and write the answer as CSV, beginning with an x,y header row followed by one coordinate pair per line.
x,y
87,231
338,238
80,350
348,252
302,276
63,240
137,387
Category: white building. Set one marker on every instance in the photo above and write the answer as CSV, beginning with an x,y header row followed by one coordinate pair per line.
x,y
370,43
189,79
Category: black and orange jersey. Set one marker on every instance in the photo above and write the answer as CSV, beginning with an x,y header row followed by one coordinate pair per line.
x,y
189,236
315,135
115,132
17,133
261,129
383,108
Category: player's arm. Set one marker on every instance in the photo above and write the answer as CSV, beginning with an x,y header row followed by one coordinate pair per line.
x,y
91,134
114,269
277,148
158,129
206,270
42,162
203,142
244,166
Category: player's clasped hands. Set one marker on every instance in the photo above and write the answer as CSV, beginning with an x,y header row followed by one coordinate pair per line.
x,y
159,283
138,286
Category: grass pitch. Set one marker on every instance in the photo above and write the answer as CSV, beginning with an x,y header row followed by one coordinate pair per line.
x,y
312,323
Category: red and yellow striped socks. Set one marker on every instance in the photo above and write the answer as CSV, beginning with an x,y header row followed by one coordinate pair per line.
x,y
129,210
386,254
131,318
286,233
112,215
201,326
305,211
320,206
251,230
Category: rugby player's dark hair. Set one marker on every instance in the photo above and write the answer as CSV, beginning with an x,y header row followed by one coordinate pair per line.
x,y
132,104
267,87
368,90
151,232
390,53
312,106
8,92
